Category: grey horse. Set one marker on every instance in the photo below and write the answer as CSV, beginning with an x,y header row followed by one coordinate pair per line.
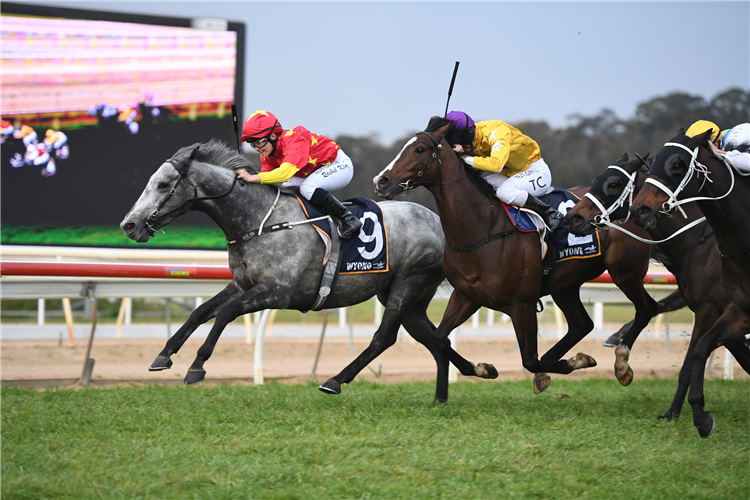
x,y
283,269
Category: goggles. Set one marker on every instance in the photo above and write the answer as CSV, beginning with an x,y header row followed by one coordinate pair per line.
x,y
258,143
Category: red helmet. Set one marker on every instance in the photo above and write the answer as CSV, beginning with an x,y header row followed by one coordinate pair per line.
x,y
260,124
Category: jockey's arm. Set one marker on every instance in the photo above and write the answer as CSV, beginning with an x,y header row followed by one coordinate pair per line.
x,y
296,156
500,140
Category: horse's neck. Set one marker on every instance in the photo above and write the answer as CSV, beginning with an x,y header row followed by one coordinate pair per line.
x,y
465,211
730,215
244,208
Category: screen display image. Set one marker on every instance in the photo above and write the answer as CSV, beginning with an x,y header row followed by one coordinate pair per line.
x,y
92,104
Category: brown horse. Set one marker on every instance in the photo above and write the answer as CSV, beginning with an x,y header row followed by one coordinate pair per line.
x,y
687,243
686,169
491,264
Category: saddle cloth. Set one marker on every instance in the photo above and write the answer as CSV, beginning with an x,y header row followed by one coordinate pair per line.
x,y
568,246
366,252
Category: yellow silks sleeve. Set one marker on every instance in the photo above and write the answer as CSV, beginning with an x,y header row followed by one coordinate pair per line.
x,y
283,173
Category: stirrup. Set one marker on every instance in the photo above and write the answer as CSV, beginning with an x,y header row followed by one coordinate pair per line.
x,y
351,228
553,218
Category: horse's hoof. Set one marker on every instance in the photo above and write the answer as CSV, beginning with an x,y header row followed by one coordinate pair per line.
x,y
160,363
485,370
582,360
330,386
669,416
612,341
706,427
541,382
626,377
195,376
623,372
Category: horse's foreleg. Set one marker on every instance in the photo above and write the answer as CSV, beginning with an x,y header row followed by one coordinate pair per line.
x,y
257,299
460,308
645,309
201,315
523,315
672,302
579,325
705,316
383,338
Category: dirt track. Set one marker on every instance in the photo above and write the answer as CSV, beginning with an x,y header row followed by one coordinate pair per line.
x,y
40,363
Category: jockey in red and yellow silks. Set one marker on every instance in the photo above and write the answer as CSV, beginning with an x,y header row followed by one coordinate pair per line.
x,y
299,153
298,158
519,174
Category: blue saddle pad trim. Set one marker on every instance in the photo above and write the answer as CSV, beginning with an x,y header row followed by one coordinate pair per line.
x,y
517,215
367,252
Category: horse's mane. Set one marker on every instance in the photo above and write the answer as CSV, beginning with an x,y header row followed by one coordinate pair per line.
x,y
219,153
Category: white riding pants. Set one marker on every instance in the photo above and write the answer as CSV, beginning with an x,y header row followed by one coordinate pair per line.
x,y
515,190
331,177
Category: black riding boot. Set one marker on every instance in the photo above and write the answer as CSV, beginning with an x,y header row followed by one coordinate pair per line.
x,y
348,224
551,216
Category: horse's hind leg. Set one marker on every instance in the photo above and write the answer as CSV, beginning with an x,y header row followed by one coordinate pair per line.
x,y
730,327
705,316
201,315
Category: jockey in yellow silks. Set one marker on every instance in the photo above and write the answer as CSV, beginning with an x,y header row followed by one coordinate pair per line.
x,y
733,144
519,174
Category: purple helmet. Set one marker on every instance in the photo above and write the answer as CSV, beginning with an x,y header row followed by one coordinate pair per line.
x,y
461,120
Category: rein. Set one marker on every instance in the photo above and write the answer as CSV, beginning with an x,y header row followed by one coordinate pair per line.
x,y
410,184
276,227
182,174
602,221
695,166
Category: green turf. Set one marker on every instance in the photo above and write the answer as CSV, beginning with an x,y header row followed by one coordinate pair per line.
x,y
195,237
579,439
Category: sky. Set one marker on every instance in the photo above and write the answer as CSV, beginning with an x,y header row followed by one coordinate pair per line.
x,y
383,69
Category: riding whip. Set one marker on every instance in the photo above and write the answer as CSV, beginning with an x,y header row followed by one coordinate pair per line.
x,y
237,129
450,90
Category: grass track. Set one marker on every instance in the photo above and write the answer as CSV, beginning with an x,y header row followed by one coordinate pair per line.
x,y
492,440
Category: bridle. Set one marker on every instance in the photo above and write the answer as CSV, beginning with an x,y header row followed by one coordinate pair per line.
x,y
602,221
151,219
694,166
410,184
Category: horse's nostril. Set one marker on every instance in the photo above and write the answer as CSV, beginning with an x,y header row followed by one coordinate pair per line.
x,y
128,226
383,180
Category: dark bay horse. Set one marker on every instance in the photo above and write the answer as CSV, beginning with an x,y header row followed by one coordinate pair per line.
x,y
500,267
689,248
687,170
283,269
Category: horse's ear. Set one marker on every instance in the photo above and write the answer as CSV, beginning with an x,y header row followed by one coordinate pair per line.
x,y
680,133
644,162
623,158
700,139
194,153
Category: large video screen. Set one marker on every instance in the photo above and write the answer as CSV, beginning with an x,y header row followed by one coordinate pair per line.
x,y
93,103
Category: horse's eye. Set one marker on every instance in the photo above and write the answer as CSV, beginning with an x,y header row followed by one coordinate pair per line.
x,y
613,187
420,150
163,185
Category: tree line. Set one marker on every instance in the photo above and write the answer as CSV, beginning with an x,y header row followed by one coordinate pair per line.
x,y
576,153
